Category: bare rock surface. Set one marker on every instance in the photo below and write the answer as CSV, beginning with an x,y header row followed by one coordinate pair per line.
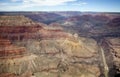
x,y
52,52
113,46
14,60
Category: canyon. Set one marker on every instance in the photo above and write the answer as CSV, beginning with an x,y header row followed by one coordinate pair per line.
x,y
33,48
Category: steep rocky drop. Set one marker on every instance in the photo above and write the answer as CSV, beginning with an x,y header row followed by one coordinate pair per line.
x,y
52,52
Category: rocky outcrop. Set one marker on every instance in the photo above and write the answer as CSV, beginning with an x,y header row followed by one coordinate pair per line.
x,y
14,61
114,22
6,49
93,25
9,20
32,31
55,53
66,57
18,32
112,48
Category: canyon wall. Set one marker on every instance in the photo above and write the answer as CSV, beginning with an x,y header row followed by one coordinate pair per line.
x,y
51,51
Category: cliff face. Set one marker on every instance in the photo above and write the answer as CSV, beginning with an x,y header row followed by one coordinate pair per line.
x,y
23,31
112,48
54,52
30,32
18,32
65,57
13,20
6,49
93,25
14,60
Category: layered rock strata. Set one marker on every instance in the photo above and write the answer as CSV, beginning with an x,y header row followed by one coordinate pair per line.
x,y
66,57
9,20
14,61
112,47
56,53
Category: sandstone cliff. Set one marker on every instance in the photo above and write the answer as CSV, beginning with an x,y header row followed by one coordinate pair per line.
x,y
55,52
14,60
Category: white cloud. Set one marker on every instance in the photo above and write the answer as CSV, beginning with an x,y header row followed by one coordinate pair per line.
x,y
47,2
79,3
24,4
84,3
14,0
3,4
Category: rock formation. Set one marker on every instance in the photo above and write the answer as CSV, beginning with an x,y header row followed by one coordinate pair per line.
x,y
112,48
14,61
31,31
55,53
13,20
65,57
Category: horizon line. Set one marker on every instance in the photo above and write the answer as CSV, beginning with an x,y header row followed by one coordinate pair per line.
x,y
64,11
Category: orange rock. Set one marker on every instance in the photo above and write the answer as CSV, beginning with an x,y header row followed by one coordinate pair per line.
x,y
4,42
7,75
7,49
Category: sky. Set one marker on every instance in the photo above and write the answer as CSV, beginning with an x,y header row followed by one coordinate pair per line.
x,y
61,5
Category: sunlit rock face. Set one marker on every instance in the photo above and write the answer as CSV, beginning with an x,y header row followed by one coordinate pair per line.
x,y
13,20
55,53
66,57
32,31
7,49
14,60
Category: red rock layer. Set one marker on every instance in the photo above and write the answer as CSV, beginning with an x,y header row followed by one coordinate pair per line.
x,y
4,42
46,34
30,32
18,32
7,49
19,29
